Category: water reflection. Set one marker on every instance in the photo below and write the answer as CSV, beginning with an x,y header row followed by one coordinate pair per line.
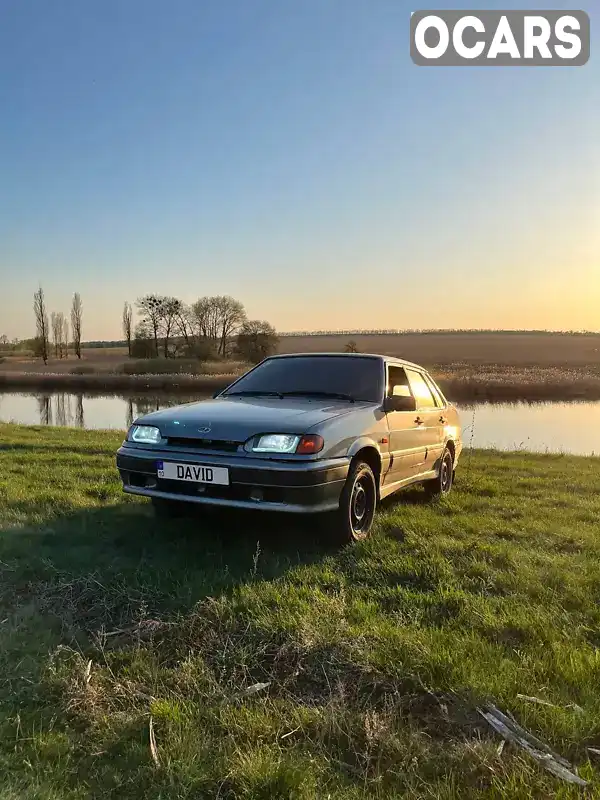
x,y
45,409
79,416
570,427
79,410
61,408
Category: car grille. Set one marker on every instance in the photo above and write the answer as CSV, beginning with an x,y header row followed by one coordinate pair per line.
x,y
220,445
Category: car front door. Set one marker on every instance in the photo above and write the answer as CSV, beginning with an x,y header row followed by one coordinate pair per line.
x,y
429,419
405,434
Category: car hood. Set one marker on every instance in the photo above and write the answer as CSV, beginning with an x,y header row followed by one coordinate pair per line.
x,y
237,419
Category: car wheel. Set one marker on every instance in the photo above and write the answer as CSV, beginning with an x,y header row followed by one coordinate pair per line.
x,y
358,502
442,484
166,509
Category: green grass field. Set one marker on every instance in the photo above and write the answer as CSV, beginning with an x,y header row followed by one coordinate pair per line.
x,y
127,647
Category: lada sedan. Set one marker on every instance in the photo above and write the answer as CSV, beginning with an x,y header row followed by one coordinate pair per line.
x,y
327,433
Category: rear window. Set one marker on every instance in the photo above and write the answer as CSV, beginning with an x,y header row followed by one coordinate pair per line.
x,y
362,378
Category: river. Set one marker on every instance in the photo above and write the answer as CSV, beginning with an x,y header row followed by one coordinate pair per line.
x,y
540,427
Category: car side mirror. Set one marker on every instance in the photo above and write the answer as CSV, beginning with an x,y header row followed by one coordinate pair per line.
x,y
400,403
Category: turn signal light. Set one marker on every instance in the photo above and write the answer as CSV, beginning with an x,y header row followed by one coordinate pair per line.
x,y
310,444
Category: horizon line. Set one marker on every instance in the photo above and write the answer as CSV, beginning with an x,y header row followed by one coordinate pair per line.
x,y
408,331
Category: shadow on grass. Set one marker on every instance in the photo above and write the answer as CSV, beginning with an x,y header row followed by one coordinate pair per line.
x,y
412,496
105,566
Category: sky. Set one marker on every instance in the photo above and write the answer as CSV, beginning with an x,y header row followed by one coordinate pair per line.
x,y
291,154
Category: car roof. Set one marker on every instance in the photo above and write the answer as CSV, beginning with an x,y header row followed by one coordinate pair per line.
x,y
390,359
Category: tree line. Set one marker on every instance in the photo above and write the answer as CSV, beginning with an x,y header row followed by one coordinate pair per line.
x,y
55,336
215,326
212,327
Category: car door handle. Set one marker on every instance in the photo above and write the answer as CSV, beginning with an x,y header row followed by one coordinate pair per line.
x,y
419,421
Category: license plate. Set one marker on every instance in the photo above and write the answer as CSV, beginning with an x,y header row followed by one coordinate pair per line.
x,y
195,473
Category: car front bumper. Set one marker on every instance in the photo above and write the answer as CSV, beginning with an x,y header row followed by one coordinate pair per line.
x,y
292,486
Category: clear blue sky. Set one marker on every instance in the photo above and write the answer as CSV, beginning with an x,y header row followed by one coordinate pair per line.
x,y
290,154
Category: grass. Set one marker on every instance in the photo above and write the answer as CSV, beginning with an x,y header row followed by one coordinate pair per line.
x,y
128,648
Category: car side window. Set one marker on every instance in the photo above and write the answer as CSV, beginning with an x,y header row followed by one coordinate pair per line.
x,y
420,390
440,402
397,382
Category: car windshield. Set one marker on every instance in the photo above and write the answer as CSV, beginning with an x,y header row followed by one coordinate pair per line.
x,y
342,377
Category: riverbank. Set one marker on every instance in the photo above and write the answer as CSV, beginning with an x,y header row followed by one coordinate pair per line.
x,y
217,657
460,383
110,382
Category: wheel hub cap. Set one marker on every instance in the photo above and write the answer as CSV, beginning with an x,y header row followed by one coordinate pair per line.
x,y
360,502
445,475
361,505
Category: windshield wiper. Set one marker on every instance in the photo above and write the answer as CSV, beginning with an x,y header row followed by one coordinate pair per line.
x,y
316,393
254,393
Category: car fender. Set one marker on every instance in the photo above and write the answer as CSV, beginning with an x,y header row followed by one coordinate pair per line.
x,y
457,445
363,441
453,433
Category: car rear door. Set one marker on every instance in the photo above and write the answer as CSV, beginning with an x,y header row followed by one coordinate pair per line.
x,y
429,420
405,435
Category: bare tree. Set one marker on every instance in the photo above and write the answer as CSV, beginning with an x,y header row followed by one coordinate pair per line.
x,y
151,311
171,308
127,321
142,344
199,322
256,340
205,318
231,314
41,324
161,316
184,323
56,331
217,319
60,334
64,339
76,323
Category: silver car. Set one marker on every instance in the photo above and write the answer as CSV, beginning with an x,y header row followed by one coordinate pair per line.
x,y
300,433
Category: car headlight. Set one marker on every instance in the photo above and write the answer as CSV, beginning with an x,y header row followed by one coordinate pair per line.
x,y
144,434
276,443
286,443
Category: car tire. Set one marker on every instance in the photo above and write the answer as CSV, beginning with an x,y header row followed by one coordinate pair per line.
x,y
166,509
442,484
358,502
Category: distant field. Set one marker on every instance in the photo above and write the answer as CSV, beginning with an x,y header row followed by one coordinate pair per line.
x,y
442,349
509,349
469,366
110,359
